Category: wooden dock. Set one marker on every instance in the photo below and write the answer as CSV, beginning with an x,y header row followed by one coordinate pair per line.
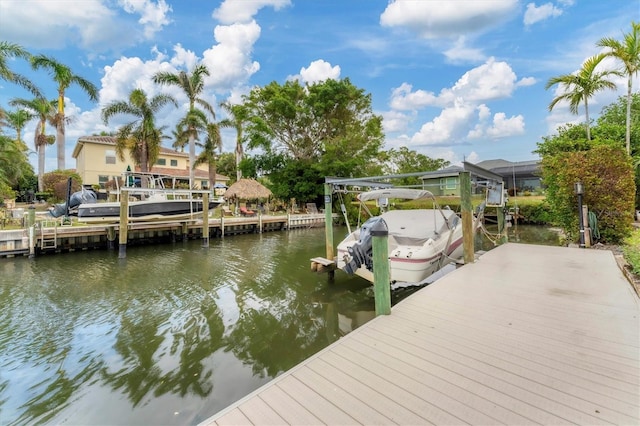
x,y
526,335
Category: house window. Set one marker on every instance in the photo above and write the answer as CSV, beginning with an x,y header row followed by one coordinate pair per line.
x,y
102,181
174,163
205,184
161,162
110,156
452,183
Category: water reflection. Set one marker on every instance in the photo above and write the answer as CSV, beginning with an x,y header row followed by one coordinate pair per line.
x,y
170,335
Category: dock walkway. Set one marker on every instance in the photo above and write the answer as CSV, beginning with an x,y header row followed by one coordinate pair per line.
x,y
526,335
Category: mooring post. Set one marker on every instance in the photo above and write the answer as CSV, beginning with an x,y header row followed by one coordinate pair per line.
x,y
467,217
502,228
205,219
124,224
381,274
328,221
111,237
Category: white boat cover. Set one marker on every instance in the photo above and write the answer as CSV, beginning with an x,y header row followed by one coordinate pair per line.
x,y
406,193
416,226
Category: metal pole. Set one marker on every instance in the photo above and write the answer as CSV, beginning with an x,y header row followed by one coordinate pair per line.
x,y
381,273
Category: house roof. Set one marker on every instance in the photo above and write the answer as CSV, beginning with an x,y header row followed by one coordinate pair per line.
x,y
111,140
446,172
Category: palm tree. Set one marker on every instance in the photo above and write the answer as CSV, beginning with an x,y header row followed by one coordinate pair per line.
x,y
180,137
63,75
140,136
192,85
236,120
45,111
11,50
208,156
627,52
17,120
581,86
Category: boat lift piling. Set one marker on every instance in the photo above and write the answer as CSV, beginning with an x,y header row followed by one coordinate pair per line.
x,y
124,223
205,220
381,272
467,217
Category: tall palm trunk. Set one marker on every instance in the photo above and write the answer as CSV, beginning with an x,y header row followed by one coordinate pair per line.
x,y
586,113
192,157
40,146
239,155
628,130
60,141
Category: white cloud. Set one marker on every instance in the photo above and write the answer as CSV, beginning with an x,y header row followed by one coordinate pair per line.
x,y
395,121
504,127
460,52
91,24
448,128
444,18
491,80
153,16
230,61
402,98
232,11
317,71
540,13
526,81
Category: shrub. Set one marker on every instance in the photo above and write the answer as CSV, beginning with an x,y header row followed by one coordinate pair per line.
x,y
631,251
56,183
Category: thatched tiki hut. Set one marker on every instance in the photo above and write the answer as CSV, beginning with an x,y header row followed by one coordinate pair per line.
x,y
247,190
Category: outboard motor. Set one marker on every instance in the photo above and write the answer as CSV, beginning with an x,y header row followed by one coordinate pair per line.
x,y
81,197
362,251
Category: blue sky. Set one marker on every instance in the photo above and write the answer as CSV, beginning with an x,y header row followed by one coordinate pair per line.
x,y
453,79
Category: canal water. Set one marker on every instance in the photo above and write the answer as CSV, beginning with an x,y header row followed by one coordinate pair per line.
x,y
171,334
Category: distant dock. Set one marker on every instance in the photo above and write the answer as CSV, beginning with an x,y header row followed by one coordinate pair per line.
x,y
52,237
526,335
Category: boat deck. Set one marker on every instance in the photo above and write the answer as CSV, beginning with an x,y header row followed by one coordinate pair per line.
x,y
526,335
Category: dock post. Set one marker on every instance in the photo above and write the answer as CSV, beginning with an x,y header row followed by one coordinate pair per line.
x,y
259,222
111,237
467,217
381,274
205,219
502,228
124,224
185,231
221,223
32,241
328,225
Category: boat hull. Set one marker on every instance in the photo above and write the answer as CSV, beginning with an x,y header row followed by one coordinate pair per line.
x,y
143,210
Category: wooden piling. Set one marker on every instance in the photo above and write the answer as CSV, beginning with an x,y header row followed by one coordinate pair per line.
x,y
381,272
467,217
328,225
205,219
124,224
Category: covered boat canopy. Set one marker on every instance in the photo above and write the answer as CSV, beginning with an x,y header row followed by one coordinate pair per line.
x,y
406,193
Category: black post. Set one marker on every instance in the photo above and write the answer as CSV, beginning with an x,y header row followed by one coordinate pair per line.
x,y
66,214
579,190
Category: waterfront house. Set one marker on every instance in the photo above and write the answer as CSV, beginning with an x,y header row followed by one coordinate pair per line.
x,y
97,163
524,175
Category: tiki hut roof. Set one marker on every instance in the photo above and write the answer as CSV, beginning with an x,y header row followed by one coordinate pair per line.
x,y
247,189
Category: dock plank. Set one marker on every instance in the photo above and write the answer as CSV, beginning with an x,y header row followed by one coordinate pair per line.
x,y
527,334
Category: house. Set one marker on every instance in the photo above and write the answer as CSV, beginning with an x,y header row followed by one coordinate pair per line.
x,y
523,175
446,181
97,163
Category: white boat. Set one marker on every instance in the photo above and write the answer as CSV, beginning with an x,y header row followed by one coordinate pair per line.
x,y
420,241
146,204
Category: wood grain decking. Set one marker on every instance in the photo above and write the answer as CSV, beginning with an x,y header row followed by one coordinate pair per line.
x,y
526,335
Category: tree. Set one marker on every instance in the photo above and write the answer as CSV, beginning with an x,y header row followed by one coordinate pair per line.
x,y
628,53
8,51
140,136
323,129
403,160
14,163
581,86
237,119
45,111
64,77
17,120
192,85
208,156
